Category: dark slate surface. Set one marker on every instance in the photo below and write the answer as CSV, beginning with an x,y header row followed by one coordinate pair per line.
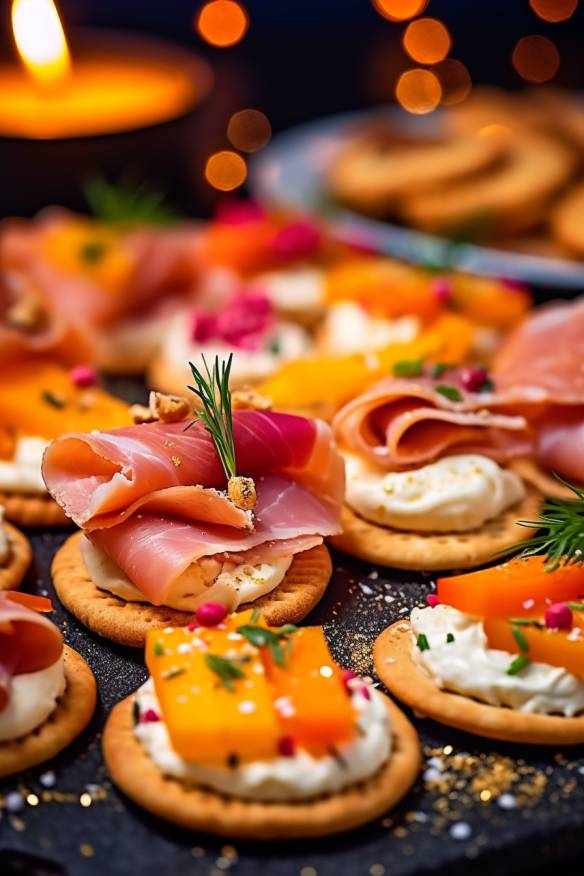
x,y
113,836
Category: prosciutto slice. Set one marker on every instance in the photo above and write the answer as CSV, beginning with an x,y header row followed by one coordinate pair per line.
x,y
406,422
150,496
28,643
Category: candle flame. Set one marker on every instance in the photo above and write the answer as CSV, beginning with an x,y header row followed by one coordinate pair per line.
x,y
41,41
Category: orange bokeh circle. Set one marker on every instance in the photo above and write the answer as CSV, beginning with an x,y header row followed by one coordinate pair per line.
x,y
222,22
418,91
536,58
225,170
400,10
427,40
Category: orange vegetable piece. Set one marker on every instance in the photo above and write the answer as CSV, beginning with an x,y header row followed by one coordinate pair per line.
x,y
545,646
7,443
243,247
42,604
488,301
321,714
26,409
69,245
518,588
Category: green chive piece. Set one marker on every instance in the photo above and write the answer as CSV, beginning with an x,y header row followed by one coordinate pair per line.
x,y
92,252
450,392
576,606
422,642
158,649
408,368
526,622
518,664
226,670
437,370
487,385
175,673
275,347
519,637
260,637
53,400
450,638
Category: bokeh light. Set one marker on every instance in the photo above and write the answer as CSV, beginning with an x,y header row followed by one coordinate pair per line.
x,y
222,22
225,170
455,81
249,130
427,40
554,10
536,58
400,10
418,91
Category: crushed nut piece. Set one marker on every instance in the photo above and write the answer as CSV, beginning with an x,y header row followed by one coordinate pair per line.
x,y
162,409
248,399
242,493
26,315
141,414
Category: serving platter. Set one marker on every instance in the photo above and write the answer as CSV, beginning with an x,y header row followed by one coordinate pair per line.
x,y
477,806
291,171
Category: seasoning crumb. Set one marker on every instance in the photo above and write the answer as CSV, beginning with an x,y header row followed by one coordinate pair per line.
x,y
87,850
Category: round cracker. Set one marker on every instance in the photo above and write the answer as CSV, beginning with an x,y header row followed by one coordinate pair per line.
x,y
13,572
394,664
420,551
33,510
128,622
72,715
199,809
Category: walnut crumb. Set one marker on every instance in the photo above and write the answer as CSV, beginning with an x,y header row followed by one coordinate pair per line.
x,y
162,409
141,414
248,399
26,315
176,460
242,493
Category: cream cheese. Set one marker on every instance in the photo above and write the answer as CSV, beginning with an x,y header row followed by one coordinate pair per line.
x,y
468,666
299,777
4,542
284,342
208,580
298,293
33,697
455,494
349,328
22,473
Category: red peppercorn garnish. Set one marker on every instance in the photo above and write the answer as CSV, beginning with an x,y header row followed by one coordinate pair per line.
x,y
365,692
286,746
432,600
210,614
149,717
559,616
83,376
473,379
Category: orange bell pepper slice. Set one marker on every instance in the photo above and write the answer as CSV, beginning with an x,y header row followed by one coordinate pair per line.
x,y
42,604
555,647
487,301
518,588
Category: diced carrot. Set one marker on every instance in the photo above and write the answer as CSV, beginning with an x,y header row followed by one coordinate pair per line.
x,y
555,647
313,706
518,588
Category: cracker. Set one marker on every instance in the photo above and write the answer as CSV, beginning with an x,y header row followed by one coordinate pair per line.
x,y
532,473
392,657
13,572
73,713
567,220
128,622
198,809
33,510
421,551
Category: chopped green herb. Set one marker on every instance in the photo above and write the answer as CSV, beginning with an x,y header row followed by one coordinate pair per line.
x,y
93,251
526,622
255,615
450,392
213,391
225,669
135,712
53,400
422,642
437,370
260,637
519,637
518,664
275,347
576,606
487,385
450,638
158,649
127,204
561,522
408,368
174,673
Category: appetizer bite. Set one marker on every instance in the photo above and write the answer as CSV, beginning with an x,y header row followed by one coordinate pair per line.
x,y
231,506
15,554
38,401
250,731
499,652
47,691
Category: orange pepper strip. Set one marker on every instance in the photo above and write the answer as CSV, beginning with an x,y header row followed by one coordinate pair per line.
x,y
487,301
554,647
42,604
518,588
321,714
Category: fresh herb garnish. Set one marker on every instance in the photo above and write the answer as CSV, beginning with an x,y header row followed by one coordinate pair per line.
x,y
576,606
127,204
437,370
225,669
562,525
174,673
519,637
260,637
135,712
526,622
422,642
53,400
518,664
450,638
408,368
216,416
487,385
447,391
92,251
158,649
275,347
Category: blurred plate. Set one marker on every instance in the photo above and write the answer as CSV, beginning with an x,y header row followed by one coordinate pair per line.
x,y
291,171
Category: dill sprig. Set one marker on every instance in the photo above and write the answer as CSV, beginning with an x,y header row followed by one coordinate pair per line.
x,y
123,203
562,525
213,391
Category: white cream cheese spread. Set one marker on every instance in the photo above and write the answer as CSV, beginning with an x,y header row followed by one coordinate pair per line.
x,y
33,697
22,473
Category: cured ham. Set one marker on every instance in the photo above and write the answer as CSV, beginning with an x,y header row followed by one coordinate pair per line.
x,y
407,422
28,641
151,497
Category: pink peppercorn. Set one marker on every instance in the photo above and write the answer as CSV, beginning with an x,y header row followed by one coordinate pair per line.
x,y
149,717
296,241
473,378
286,746
365,692
432,600
83,376
347,677
559,616
210,614
442,289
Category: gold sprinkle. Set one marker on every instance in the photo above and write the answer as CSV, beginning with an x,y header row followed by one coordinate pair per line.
x,y
308,871
32,800
176,460
87,850
377,870
448,749
485,796
85,800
